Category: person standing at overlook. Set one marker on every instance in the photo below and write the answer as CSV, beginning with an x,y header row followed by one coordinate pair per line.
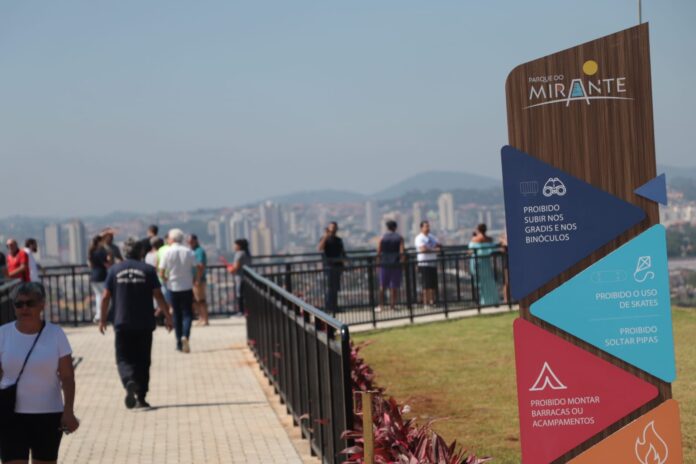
x,y
427,247
17,262
334,254
31,247
481,266
390,256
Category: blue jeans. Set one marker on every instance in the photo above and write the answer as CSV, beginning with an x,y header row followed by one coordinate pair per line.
x,y
182,306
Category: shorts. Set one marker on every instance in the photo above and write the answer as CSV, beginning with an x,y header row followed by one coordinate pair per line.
x,y
428,276
390,276
38,433
199,291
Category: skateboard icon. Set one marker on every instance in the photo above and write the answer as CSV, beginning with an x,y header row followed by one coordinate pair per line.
x,y
554,186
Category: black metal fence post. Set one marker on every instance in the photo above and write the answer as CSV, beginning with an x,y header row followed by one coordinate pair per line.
x,y
409,286
371,289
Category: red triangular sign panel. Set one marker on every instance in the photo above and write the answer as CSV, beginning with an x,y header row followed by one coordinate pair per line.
x,y
566,394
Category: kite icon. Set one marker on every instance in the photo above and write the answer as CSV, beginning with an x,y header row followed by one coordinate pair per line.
x,y
643,272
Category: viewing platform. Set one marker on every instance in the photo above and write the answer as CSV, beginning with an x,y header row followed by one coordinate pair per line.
x,y
207,406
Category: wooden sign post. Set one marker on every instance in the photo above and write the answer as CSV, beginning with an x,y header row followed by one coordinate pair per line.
x,y
580,126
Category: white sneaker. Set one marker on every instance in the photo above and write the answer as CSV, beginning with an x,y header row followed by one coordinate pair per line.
x,y
185,346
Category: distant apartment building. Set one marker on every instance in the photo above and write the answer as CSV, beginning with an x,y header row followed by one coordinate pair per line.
x,y
239,227
445,205
372,224
272,217
417,216
485,216
261,241
77,242
219,230
678,213
52,241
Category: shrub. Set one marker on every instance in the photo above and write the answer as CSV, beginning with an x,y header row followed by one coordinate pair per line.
x,y
397,440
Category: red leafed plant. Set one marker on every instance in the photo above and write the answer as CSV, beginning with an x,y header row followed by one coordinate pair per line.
x,y
397,440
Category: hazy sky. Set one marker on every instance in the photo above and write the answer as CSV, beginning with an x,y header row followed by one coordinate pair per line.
x,y
165,105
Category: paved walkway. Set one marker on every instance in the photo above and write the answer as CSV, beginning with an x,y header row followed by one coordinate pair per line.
x,y
208,405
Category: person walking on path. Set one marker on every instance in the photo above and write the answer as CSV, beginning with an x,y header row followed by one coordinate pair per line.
x,y
427,247
390,256
176,269
481,266
199,284
132,284
17,262
334,254
242,257
31,247
99,261
35,359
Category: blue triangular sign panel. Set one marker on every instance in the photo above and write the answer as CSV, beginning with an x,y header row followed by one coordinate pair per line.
x,y
655,189
554,220
621,304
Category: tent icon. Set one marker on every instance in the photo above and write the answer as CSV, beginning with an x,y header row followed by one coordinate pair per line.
x,y
547,379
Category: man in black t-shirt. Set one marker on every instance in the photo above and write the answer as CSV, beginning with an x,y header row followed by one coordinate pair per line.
x,y
133,284
331,247
146,243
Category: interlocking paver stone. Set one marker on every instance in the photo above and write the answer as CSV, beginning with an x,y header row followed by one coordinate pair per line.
x,y
208,406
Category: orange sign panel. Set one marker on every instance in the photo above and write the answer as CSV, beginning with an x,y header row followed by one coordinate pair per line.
x,y
654,438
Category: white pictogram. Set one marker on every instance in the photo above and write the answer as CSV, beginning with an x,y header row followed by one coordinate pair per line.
x,y
530,187
554,186
547,379
651,448
643,272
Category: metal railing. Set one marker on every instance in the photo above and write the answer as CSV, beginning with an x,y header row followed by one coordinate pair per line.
x,y
466,280
305,354
70,298
6,310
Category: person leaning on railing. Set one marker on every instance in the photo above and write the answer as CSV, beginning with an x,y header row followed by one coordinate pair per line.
x,y
242,257
35,365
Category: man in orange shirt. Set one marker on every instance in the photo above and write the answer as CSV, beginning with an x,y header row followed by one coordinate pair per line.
x,y
17,262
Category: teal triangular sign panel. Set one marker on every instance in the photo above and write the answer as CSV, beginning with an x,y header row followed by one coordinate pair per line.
x,y
655,190
621,305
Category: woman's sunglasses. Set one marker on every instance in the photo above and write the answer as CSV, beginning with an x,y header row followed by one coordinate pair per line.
x,y
22,303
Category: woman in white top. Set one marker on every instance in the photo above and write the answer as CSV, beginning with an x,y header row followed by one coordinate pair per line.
x,y
42,413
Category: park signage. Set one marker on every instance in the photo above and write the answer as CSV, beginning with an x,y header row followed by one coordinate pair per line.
x,y
621,305
654,438
554,220
587,257
567,395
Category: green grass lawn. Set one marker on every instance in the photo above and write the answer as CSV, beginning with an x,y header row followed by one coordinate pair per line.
x,y
464,371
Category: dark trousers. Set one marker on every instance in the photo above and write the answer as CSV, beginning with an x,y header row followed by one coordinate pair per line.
x,y
133,355
182,306
333,285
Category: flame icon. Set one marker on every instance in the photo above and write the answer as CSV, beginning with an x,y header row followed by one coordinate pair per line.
x,y
651,448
